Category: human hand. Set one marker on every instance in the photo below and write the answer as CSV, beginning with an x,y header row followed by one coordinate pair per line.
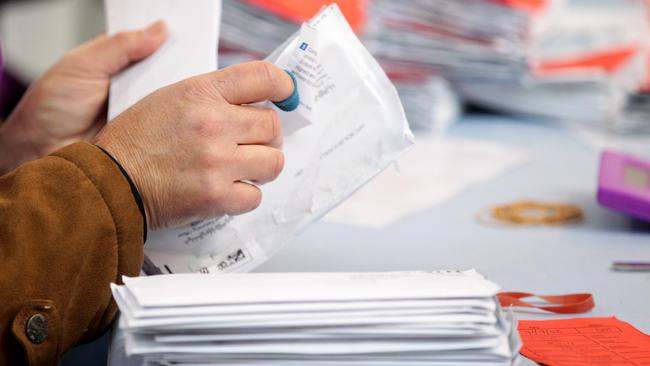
x,y
190,147
68,103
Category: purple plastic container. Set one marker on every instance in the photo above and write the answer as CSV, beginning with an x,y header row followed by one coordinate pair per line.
x,y
624,184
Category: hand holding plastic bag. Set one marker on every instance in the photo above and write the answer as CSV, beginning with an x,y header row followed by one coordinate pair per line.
x,y
349,126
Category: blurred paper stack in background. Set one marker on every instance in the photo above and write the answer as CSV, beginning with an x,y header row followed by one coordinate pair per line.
x,y
462,39
576,61
586,64
260,26
430,104
253,28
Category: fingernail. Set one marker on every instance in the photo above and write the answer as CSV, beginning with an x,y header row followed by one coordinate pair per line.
x,y
293,100
156,28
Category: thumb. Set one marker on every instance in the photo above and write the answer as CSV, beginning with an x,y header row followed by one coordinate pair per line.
x,y
110,54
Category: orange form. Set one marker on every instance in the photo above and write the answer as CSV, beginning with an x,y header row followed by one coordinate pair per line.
x,y
609,60
532,6
301,10
584,342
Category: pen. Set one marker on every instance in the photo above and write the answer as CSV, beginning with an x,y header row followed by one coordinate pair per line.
x,y
631,266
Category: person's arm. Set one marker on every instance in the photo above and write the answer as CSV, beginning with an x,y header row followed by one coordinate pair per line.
x,y
70,223
70,226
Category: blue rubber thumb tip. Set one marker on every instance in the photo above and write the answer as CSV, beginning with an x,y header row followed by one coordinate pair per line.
x,y
292,102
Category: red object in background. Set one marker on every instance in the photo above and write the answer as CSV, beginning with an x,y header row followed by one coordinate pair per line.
x,y
300,11
560,304
532,6
609,60
407,75
584,342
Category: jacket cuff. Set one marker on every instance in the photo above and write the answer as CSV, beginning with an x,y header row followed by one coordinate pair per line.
x,y
116,192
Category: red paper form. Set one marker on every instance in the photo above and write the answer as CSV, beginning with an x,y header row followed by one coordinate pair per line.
x,y
300,11
527,5
584,342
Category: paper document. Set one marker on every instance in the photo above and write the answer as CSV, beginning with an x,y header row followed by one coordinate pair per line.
x,y
349,126
190,49
259,26
392,318
575,61
584,341
301,287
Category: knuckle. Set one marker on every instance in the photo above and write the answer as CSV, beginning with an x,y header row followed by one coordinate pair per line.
x,y
208,162
225,82
274,127
268,73
213,192
205,125
201,88
210,159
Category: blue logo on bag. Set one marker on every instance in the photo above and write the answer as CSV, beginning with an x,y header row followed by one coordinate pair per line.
x,y
303,46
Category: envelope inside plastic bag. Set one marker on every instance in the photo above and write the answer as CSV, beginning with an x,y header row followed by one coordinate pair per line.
x,y
349,126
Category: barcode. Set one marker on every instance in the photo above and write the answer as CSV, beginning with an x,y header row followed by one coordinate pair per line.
x,y
231,259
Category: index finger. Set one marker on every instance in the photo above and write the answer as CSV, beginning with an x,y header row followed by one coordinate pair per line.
x,y
253,82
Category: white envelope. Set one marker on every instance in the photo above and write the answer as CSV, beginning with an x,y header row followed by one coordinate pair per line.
x,y
259,288
190,49
143,344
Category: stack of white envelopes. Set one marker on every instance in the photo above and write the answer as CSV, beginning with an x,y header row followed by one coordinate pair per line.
x,y
393,318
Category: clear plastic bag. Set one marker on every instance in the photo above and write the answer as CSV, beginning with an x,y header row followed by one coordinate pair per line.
x,y
350,125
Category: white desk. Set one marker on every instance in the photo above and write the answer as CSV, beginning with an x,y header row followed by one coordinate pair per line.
x,y
539,260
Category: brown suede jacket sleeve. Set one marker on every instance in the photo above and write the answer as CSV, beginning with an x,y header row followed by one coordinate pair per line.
x,y
69,226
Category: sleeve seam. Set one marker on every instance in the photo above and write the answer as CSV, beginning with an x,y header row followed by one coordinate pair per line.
x,y
108,207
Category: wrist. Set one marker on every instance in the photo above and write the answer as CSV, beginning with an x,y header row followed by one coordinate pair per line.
x,y
134,191
124,159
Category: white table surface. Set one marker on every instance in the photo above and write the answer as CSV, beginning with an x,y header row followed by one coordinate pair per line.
x,y
545,260
540,260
